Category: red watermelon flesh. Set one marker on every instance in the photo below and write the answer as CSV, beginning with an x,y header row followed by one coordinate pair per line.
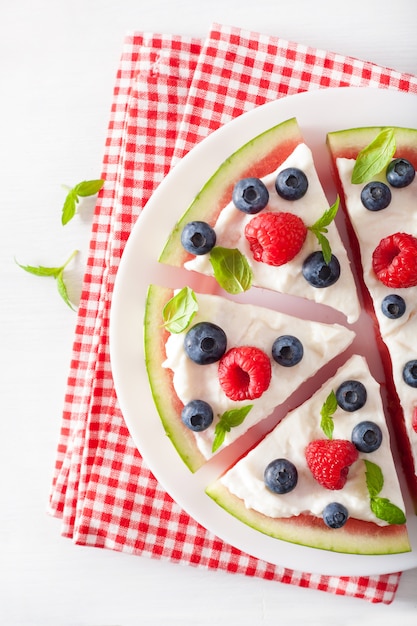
x,y
347,144
259,157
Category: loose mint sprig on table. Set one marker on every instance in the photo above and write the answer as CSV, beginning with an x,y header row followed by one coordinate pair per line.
x,y
54,272
81,190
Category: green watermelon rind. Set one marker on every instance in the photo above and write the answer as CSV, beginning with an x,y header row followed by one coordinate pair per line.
x,y
349,142
160,379
355,537
258,157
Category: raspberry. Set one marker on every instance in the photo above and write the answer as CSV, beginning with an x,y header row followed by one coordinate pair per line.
x,y
244,373
275,238
394,260
329,461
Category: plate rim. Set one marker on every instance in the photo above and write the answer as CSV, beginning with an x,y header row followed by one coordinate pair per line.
x,y
122,356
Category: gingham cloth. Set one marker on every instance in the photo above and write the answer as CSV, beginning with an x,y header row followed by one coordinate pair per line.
x,y
171,92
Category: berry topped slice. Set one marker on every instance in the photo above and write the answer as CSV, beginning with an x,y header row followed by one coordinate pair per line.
x,y
218,367
384,242
324,476
265,203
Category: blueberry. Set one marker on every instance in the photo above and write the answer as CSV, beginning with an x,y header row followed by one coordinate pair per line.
x,y
410,373
291,184
400,173
376,196
393,306
366,436
351,395
250,195
335,515
198,237
197,415
319,273
280,476
287,350
205,343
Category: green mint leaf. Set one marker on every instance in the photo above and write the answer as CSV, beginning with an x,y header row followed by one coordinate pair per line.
x,y
374,478
320,227
40,270
230,419
54,272
62,290
325,247
327,411
383,509
219,435
69,208
236,417
231,269
88,187
374,157
81,190
180,310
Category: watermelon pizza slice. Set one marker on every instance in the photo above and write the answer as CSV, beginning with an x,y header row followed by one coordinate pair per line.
x,y
375,174
217,367
324,476
263,220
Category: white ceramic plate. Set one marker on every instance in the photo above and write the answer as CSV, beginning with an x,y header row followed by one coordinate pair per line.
x,y
317,112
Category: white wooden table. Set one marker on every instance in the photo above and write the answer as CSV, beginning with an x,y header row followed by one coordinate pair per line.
x,y
57,63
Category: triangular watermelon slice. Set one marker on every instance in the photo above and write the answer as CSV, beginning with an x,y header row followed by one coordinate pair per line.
x,y
311,264
364,514
237,380
379,236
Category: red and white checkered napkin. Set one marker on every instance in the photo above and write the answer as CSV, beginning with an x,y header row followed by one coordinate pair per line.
x,y
171,92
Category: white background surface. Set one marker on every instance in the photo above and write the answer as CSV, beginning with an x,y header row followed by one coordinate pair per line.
x,y
58,61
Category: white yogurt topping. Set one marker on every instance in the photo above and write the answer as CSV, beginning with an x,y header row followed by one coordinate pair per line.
x,y
255,326
288,278
370,227
289,440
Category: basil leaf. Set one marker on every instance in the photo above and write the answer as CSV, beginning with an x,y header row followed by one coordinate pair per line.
x,y
375,157
374,478
231,269
230,419
387,511
328,409
180,310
